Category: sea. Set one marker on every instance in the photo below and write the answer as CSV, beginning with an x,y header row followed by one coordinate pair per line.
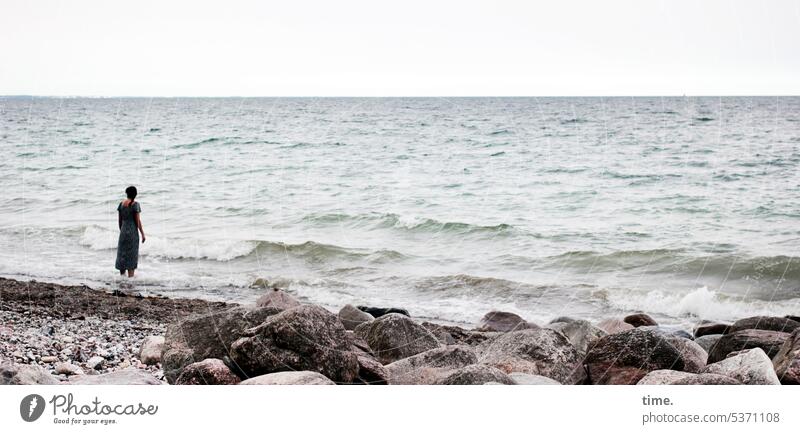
x,y
686,208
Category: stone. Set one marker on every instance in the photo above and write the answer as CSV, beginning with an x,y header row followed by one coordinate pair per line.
x,y
613,325
430,366
640,319
750,367
694,356
476,374
581,334
95,362
208,371
539,351
707,379
278,299
49,359
707,341
207,336
706,328
563,319
128,376
394,337
13,374
663,376
378,312
496,321
645,350
768,340
608,373
350,316
303,338
670,330
524,379
454,335
66,368
787,360
151,349
370,371
289,378
772,323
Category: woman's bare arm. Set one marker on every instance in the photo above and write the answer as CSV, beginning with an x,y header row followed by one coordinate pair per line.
x,y
139,225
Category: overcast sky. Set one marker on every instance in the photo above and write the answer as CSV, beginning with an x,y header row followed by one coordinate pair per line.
x,y
402,47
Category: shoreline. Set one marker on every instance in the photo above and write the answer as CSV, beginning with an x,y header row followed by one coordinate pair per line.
x,y
63,334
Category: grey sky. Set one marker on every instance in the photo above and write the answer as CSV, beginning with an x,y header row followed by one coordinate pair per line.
x,y
410,47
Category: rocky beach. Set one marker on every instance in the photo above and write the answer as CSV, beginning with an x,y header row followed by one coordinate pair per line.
x,y
54,334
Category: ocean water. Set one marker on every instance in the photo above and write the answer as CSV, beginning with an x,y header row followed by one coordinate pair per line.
x,y
685,208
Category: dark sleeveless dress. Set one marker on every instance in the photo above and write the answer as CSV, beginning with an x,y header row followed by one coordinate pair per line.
x,y
128,244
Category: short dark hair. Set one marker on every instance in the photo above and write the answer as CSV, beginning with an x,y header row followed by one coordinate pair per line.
x,y
131,192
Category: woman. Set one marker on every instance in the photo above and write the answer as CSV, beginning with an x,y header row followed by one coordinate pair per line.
x,y
129,222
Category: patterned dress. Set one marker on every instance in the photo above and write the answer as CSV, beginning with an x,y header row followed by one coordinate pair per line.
x,y
128,244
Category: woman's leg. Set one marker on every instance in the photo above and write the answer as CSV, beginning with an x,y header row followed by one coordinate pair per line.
x,y
130,273
121,272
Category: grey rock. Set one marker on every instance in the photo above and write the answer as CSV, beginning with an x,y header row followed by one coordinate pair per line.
x,y
707,379
95,362
646,350
286,378
750,367
350,316
694,356
49,359
13,374
524,379
151,349
303,338
663,376
613,325
768,340
128,376
208,371
454,335
395,336
497,321
476,374
640,319
278,299
670,330
787,360
538,351
581,334
370,371
66,368
707,341
710,328
430,366
773,323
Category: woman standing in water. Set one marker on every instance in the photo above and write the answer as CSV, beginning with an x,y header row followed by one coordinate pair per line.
x,y
129,222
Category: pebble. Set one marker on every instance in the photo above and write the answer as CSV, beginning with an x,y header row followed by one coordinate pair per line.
x,y
95,362
68,369
49,359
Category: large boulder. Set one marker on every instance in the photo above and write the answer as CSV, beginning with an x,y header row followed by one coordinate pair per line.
x,y
768,340
370,371
151,350
125,377
694,356
640,349
532,380
710,328
207,336
707,380
663,376
750,367
14,374
350,316
773,323
707,341
613,325
640,319
787,360
454,335
395,336
476,374
670,330
208,371
607,373
537,351
430,366
497,321
378,312
304,338
581,334
278,299
286,378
